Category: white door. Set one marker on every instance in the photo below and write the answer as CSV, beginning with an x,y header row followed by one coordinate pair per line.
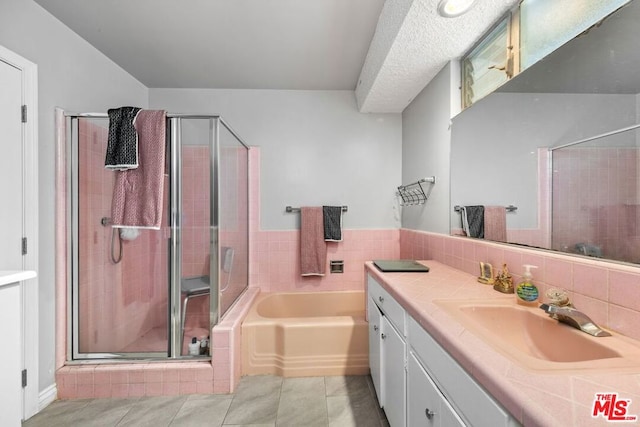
x,y
11,232
11,166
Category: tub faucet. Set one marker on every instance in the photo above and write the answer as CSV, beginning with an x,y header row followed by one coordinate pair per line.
x,y
575,318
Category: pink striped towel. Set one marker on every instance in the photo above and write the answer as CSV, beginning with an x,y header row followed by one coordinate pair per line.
x,y
495,223
313,249
137,193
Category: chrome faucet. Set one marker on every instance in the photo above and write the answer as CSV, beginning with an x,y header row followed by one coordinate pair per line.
x,y
575,318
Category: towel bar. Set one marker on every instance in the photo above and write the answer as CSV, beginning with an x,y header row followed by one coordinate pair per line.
x,y
509,208
289,209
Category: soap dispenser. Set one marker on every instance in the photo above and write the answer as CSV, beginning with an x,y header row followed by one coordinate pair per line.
x,y
526,291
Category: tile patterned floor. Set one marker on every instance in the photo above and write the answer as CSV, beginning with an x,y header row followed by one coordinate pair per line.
x,y
259,401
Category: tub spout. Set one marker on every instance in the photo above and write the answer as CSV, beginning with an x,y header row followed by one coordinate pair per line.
x,y
575,318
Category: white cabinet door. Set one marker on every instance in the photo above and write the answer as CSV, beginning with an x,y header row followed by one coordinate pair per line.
x,y
10,356
426,406
375,319
393,374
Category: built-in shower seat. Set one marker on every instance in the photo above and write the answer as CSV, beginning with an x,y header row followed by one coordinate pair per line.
x,y
192,287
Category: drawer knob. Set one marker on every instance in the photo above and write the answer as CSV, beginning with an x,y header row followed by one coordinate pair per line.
x,y
383,336
375,327
380,299
429,413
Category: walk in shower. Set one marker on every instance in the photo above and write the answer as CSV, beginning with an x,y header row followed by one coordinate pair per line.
x,y
148,296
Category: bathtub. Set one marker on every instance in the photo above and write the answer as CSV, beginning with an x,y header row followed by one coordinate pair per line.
x,y
303,334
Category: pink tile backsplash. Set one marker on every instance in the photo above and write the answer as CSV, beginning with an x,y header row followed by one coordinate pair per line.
x,y
607,292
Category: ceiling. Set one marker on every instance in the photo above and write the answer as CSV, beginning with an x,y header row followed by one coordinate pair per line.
x,y
393,47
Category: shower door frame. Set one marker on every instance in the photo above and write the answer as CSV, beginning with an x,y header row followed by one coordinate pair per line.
x,y
174,344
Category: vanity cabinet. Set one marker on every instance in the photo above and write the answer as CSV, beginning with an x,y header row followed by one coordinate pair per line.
x,y
375,348
11,355
387,350
417,382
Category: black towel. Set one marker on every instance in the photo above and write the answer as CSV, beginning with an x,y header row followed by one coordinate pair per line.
x,y
332,216
122,142
473,221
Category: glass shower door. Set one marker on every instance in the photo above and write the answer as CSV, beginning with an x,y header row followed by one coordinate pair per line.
x,y
233,217
195,136
120,296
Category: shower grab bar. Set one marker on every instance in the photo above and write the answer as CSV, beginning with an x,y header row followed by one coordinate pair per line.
x,y
289,209
509,208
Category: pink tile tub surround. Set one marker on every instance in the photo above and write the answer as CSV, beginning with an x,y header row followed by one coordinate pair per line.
x,y
275,255
606,291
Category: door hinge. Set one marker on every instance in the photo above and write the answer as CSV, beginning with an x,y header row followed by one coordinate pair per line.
x,y
24,378
24,114
24,246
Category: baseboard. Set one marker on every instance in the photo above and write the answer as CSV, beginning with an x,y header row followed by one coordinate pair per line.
x,y
47,396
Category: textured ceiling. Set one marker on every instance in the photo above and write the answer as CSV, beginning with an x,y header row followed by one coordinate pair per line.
x,y
281,44
411,45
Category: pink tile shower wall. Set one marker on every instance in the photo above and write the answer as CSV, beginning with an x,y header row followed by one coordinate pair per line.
x,y
609,293
234,223
595,201
134,380
195,230
195,206
118,303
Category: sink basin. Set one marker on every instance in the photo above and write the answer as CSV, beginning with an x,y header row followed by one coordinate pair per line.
x,y
530,337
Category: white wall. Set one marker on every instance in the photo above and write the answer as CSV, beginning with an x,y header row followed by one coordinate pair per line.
x,y
494,144
316,149
75,76
426,150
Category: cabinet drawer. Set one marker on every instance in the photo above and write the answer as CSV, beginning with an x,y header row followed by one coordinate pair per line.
x,y
474,404
389,306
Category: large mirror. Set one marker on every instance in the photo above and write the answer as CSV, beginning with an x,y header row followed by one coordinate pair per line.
x,y
524,146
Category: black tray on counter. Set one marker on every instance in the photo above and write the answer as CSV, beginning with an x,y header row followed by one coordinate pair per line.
x,y
400,266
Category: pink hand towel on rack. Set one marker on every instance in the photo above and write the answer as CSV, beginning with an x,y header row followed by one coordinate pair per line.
x,y
495,223
137,193
313,249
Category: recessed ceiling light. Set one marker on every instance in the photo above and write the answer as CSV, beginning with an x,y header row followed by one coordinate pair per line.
x,y
451,8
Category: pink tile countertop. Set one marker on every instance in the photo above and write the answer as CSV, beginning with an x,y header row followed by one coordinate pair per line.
x,y
534,398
